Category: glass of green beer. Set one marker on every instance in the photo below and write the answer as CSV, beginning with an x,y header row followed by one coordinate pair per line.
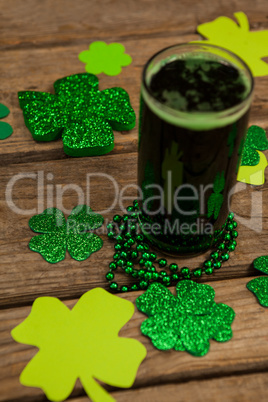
x,y
195,102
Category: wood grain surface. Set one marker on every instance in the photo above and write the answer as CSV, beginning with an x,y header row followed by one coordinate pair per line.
x,y
247,352
40,42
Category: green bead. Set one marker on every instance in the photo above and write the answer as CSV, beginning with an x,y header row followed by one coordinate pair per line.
x,y
140,247
231,215
148,275
166,280
124,288
128,236
117,247
136,204
197,272
134,254
113,286
151,269
117,218
120,262
153,256
209,271
143,284
130,208
119,239
214,255
126,218
146,256
227,236
129,264
234,224
155,275
128,270
231,247
109,276
141,261
139,238
221,246
141,273
123,254
217,264
116,256
162,262
111,235
230,226
234,242
163,273
135,273
207,264
127,246
133,228
131,242
110,226
234,233
146,247
185,271
225,257
122,228
134,287
175,277
112,265
148,264
173,267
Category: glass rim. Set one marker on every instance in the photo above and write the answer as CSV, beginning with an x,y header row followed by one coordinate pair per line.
x,y
198,119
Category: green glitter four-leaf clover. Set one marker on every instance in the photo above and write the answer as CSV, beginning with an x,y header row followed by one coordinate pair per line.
x,y
5,128
104,58
186,322
84,116
216,198
259,286
58,235
255,140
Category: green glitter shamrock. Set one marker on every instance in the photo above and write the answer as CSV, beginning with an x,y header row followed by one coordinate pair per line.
x,y
255,140
259,286
84,116
5,128
186,322
104,58
58,236
216,198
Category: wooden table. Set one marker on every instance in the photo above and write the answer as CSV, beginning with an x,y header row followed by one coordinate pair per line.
x,y
40,42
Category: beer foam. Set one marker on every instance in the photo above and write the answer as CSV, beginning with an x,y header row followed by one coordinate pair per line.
x,y
173,108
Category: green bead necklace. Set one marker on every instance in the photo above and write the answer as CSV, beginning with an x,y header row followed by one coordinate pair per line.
x,y
132,248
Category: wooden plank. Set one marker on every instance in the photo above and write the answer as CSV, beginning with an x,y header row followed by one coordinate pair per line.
x,y
242,388
246,353
49,64
43,23
26,275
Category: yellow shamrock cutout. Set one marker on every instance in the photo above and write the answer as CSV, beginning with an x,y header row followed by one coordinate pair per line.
x,y
250,46
253,174
80,343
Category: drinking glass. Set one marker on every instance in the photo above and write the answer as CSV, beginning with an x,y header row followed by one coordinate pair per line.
x,y
189,156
